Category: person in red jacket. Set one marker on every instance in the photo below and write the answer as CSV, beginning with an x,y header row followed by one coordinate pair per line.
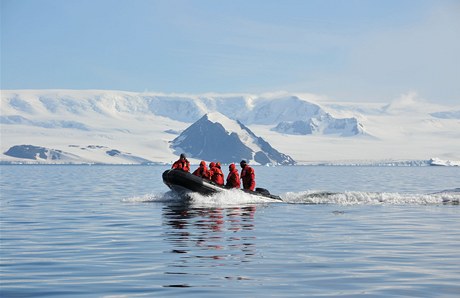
x,y
182,164
248,176
202,170
216,173
233,178
212,165
223,176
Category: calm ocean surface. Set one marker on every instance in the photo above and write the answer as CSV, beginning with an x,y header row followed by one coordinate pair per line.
x,y
116,231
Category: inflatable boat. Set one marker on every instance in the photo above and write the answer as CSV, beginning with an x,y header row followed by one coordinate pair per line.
x,y
184,183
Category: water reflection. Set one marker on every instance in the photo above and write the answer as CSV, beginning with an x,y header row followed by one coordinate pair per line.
x,y
208,237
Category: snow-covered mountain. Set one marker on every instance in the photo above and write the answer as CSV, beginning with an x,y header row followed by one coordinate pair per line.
x,y
92,126
292,115
217,138
324,124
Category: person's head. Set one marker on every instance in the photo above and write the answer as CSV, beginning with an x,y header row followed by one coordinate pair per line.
x,y
202,163
243,163
212,164
218,164
182,156
231,167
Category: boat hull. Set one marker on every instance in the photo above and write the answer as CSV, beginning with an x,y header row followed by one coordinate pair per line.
x,y
184,183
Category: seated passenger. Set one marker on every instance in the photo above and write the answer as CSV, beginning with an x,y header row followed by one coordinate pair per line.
x,y
212,165
202,170
216,173
248,176
233,178
182,164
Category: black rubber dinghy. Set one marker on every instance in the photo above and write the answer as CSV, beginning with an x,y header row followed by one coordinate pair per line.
x,y
184,182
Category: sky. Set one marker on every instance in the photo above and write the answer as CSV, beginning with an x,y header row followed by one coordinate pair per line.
x,y
354,50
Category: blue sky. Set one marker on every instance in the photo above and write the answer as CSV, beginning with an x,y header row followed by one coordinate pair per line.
x,y
346,50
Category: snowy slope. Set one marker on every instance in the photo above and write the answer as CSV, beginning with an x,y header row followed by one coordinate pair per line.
x,y
216,137
129,127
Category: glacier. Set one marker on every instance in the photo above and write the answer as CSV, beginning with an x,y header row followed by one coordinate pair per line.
x,y
139,128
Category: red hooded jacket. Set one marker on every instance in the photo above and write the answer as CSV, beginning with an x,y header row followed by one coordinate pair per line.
x,y
233,178
249,177
202,170
182,164
216,174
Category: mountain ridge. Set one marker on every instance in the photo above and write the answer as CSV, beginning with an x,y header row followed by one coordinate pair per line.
x,y
144,124
208,139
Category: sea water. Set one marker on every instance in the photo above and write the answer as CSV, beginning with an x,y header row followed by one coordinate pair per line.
x,y
116,231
